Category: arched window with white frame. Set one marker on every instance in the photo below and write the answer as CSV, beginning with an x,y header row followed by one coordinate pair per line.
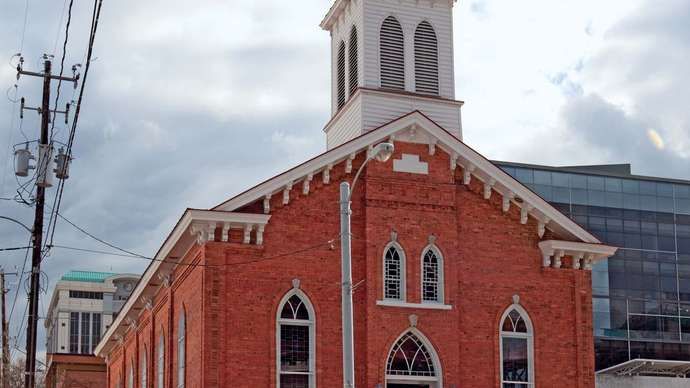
x,y
412,361
392,54
160,363
432,275
181,349
517,349
394,272
426,59
295,342
143,368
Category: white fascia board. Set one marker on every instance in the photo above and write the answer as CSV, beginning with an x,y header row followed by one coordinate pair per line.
x,y
332,15
168,245
199,215
599,251
484,169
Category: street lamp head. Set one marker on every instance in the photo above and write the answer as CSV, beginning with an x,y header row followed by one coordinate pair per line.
x,y
382,152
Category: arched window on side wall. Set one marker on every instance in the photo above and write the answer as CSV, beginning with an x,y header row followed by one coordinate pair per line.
x,y
426,59
354,66
394,272
517,349
181,349
130,376
160,363
144,369
295,349
341,75
392,54
432,275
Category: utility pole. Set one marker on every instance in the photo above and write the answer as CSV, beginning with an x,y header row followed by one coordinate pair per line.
x,y
43,173
4,382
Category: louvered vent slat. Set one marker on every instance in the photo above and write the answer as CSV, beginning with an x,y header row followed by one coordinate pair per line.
x,y
392,55
354,71
341,75
426,59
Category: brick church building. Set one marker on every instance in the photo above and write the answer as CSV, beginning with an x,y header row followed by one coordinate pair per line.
x,y
463,277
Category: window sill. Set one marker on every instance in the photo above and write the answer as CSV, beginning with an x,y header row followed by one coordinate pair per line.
x,y
428,306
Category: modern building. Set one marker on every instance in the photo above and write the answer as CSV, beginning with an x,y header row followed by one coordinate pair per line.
x,y
463,276
82,307
642,294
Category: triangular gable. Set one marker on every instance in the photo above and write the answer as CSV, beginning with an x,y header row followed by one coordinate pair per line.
x,y
416,127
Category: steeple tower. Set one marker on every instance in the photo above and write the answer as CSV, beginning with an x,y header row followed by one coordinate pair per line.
x,y
389,58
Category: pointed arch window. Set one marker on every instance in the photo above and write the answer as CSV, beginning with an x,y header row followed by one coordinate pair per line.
x,y
354,70
295,342
394,272
432,276
181,348
517,349
160,363
392,54
426,59
412,360
341,75
144,371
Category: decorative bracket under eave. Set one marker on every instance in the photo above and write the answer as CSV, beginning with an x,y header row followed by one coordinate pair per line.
x,y
583,255
204,226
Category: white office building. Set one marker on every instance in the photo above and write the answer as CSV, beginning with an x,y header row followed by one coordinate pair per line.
x,y
82,307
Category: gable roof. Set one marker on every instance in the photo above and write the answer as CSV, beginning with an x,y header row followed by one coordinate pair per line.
x,y
417,127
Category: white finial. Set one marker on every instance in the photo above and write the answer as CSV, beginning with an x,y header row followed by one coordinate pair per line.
x,y
413,320
516,299
295,283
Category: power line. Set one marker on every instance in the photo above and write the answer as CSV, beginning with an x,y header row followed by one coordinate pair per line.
x,y
26,18
61,185
130,253
330,244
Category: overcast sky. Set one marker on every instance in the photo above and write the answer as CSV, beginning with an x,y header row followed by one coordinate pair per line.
x,y
189,103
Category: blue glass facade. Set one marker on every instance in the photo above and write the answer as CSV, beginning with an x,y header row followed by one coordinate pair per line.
x,y
641,295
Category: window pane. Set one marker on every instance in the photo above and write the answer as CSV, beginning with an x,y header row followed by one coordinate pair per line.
x,y
294,381
515,360
85,348
430,279
542,177
294,348
392,275
74,333
95,330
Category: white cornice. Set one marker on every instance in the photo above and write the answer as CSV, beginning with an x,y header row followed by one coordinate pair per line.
x,y
584,255
180,235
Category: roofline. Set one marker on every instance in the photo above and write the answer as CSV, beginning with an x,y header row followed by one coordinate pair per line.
x,y
328,20
445,138
574,170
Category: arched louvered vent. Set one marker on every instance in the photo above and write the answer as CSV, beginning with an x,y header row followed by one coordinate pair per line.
x,y
426,59
392,53
354,76
341,75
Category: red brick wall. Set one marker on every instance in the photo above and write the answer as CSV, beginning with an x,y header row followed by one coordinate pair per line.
x,y
488,256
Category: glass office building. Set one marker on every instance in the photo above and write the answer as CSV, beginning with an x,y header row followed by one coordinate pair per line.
x,y
641,295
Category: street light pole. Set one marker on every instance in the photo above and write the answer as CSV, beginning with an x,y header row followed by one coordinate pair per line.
x,y
382,153
346,267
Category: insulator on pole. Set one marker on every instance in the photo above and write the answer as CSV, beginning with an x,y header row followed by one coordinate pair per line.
x,y
44,175
62,162
21,161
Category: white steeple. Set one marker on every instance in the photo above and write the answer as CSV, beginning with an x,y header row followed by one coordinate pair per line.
x,y
389,58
